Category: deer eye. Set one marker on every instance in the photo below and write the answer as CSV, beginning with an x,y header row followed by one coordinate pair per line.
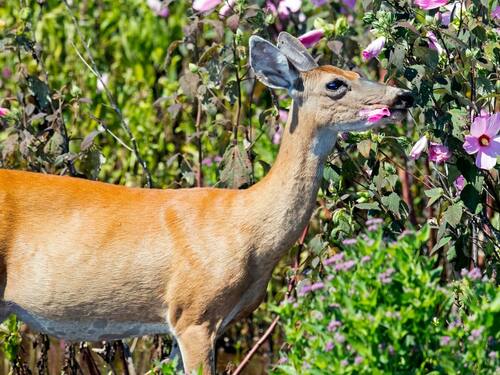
x,y
335,84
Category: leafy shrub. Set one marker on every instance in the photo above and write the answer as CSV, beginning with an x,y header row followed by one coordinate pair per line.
x,y
378,308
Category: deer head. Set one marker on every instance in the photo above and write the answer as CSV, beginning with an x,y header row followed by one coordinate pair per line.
x,y
339,99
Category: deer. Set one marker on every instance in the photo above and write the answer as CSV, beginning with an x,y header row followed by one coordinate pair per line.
x,y
87,261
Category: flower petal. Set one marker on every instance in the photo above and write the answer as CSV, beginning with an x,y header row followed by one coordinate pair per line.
x,y
439,153
493,126
433,42
374,115
205,5
478,126
430,4
493,149
418,148
312,37
471,144
374,48
485,161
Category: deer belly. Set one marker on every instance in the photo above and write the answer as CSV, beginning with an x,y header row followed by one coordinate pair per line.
x,y
89,329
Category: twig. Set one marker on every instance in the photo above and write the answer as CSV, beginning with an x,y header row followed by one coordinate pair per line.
x,y
89,361
238,82
93,68
199,171
128,364
261,341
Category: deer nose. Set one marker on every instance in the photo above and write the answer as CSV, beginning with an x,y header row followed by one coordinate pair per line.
x,y
404,99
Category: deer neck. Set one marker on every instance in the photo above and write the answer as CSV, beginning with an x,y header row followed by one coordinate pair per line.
x,y
285,198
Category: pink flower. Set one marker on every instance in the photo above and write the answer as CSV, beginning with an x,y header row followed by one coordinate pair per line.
x,y
4,111
158,7
285,7
312,37
227,8
358,360
271,8
445,340
366,259
207,161
495,14
6,72
484,140
333,325
334,259
374,115
205,5
316,286
373,48
328,346
430,4
318,3
459,183
433,42
454,8
418,148
439,153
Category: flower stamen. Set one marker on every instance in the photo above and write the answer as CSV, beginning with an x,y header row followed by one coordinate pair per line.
x,y
484,140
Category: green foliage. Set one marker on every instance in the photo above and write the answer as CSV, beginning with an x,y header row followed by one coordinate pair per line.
x,y
379,308
10,338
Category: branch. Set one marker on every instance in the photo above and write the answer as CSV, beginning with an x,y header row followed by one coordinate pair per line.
x,y
261,341
93,68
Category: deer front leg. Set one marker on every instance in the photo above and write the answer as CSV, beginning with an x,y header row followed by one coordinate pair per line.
x,y
196,344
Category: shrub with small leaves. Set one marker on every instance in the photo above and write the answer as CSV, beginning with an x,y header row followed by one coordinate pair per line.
x,y
379,308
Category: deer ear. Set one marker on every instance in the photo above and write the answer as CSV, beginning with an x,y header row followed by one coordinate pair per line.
x,y
270,65
295,52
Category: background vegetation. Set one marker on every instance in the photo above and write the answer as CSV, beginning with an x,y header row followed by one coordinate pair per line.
x,y
158,94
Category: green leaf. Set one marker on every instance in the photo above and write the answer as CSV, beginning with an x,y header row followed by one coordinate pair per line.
x,y
443,241
470,197
364,148
434,195
368,206
236,167
392,202
41,91
453,214
428,56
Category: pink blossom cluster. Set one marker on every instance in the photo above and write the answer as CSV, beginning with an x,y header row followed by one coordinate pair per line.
x,y
334,259
474,274
333,325
386,277
438,153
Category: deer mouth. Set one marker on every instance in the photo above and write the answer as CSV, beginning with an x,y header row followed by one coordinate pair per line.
x,y
398,114
383,114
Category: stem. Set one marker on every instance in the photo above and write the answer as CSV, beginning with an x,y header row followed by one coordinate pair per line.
x,y
238,83
199,172
430,211
261,341
405,185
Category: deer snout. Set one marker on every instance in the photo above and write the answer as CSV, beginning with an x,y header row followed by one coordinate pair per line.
x,y
404,100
